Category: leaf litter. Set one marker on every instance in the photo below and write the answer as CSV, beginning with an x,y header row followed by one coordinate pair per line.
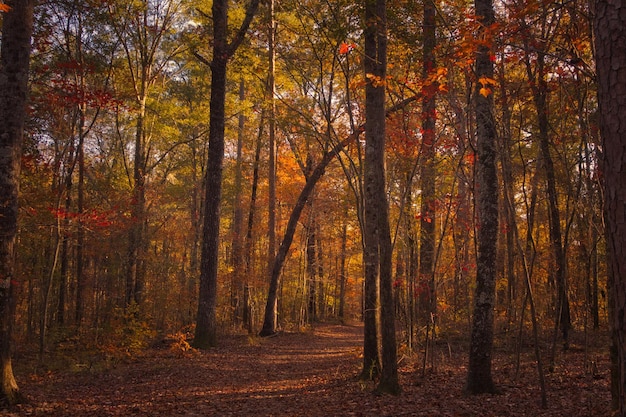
x,y
311,373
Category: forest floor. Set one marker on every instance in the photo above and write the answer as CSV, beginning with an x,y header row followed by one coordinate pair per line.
x,y
310,373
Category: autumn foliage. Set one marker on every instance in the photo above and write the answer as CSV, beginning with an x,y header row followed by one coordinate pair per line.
x,y
114,165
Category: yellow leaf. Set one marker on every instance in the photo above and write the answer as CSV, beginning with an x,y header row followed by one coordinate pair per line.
x,y
485,92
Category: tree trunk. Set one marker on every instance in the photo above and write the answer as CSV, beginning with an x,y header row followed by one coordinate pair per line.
x,y
79,311
610,33
311,272
378,256
271,215
237,228
427,298
247,304
479,379
342,265
17,28
206,325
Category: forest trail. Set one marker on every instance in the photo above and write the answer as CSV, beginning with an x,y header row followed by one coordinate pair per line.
x,y
311,373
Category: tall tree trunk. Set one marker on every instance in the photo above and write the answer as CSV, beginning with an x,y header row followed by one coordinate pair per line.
x,y
237,228
79,311
206,325
311,273
610,53
17,29
247,303
378,256
342,265
479,379
540,97
64,272
271,87
428,301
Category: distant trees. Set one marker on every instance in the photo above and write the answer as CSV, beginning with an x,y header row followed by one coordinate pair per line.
x,y
17,29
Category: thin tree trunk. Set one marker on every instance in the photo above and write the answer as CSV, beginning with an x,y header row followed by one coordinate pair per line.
x,y
237,228
342,265
311,273
247,306
479,378
428,301
271,215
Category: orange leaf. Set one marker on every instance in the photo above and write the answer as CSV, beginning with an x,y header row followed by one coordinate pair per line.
x,y
4,7
344,48
485,92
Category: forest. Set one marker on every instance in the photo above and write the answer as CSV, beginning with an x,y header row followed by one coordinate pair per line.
x,y
442,178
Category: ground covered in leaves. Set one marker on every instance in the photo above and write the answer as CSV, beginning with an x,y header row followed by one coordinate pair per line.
x,y
311,373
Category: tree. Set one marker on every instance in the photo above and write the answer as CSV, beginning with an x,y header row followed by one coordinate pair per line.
x,y
142,28
377,254
610,31
428,297
206,326
479,379
17,29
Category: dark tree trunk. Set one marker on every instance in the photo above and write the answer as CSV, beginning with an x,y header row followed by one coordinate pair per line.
x,y
378,256
247,305
237,227
138,203
540,98
206,325
479,379
269,321
271,179
17,28
342,266
427,298
610,33
311,272
79,311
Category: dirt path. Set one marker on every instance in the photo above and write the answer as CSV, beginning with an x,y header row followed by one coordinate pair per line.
x,y
298,374
282,375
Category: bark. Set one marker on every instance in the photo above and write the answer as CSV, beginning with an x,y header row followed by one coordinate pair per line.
x,y
610,34
17,28
479,378
247,306
378,256
342,265
427,298
206,325
271,215
237,228
269,321
311,273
